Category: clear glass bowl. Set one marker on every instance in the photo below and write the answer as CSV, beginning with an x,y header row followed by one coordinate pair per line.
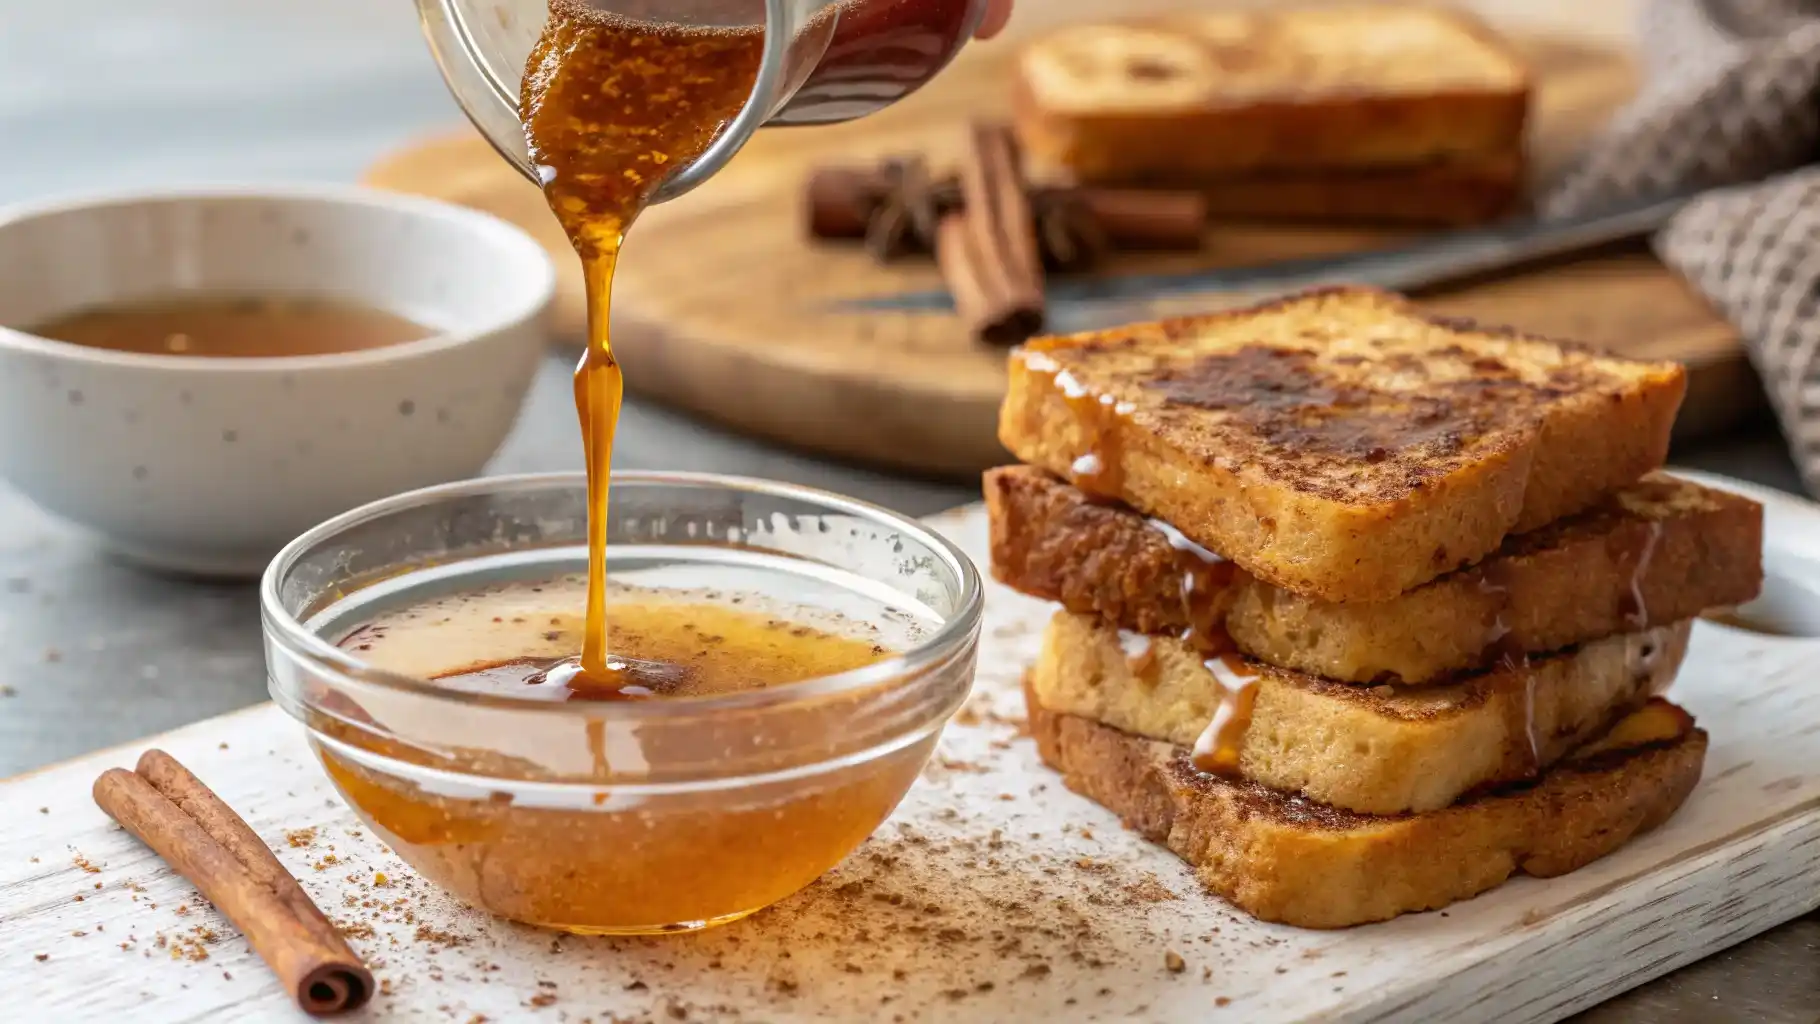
x,y
638,816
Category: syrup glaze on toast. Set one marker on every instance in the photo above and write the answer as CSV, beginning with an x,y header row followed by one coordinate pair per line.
x,y
1286,858
1337,443
1658,551
1374,749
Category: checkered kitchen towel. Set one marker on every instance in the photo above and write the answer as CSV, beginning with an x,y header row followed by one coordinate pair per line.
x,y
1731,102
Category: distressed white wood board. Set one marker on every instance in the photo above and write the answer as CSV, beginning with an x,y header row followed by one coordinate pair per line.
x,y
992,894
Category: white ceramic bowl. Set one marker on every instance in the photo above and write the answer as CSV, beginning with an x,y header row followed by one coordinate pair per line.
x,y
210,465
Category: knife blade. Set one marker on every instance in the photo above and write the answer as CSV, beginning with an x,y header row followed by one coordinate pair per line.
x,y
1083,303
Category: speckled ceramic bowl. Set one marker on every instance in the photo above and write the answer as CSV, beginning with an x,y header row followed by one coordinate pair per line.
x,y
209,465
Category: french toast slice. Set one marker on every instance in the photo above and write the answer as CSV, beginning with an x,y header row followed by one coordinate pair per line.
x,y
1656,552
1337,443
1444,193
1221,94
1288,859
1370,749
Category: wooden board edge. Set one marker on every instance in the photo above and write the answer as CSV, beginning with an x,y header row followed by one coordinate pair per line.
x,y
1703,901
885,423
155,739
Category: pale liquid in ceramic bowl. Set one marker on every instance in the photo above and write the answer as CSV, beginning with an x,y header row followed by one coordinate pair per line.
x,y
232,326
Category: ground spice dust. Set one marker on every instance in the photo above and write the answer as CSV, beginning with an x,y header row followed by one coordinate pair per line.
x,y
962,900
192,945
1150,889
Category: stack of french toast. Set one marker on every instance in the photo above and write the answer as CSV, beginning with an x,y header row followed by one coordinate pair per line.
x,y
1362,611
1356,112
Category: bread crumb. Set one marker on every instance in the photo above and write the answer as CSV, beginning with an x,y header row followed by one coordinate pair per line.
x,y
1174,962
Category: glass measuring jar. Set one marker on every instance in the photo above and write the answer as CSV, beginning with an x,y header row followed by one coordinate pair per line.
x,y
823,60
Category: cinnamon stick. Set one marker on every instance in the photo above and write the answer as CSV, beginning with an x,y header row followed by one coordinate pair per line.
x,y
988,251
186,824
841,202
989,316
1145,219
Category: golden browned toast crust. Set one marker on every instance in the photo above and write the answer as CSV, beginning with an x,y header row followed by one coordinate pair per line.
x,y
1371,749
1294,861
1337,443
1219,94
1659,551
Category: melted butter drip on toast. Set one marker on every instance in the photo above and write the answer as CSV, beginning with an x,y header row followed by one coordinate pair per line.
x,y
1218,747
1099,468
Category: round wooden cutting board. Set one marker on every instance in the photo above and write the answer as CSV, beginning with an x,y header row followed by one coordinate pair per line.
x,y
724,307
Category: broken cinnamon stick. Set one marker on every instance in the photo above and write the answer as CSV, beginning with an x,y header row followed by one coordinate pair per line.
x,y
988,250
842,202
989,314
186,824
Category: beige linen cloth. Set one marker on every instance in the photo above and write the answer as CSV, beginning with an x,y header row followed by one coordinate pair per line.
x,y
1731,102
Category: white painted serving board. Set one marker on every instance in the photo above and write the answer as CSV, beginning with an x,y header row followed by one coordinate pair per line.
x,y
992,894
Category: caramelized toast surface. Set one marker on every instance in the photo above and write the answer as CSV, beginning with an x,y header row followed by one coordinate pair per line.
x,y
1371,749
1656,552
1337,443
1292,860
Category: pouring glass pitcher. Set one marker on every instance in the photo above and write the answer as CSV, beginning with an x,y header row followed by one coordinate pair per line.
x,y
823,60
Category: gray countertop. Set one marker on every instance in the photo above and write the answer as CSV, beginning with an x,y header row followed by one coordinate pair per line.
x,y
112,93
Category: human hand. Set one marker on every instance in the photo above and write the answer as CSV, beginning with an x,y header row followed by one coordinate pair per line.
x,y
993,21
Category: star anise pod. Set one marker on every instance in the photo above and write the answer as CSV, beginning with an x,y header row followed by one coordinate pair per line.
x,y
905,219
1068,235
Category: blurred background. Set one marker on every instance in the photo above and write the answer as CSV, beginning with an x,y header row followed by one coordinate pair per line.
x,y
108,94
115,93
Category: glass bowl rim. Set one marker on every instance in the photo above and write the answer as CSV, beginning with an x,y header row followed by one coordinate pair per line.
x,y
955,634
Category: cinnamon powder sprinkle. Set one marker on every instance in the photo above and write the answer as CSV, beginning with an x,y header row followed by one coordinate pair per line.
x,y
1150,889
427,934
